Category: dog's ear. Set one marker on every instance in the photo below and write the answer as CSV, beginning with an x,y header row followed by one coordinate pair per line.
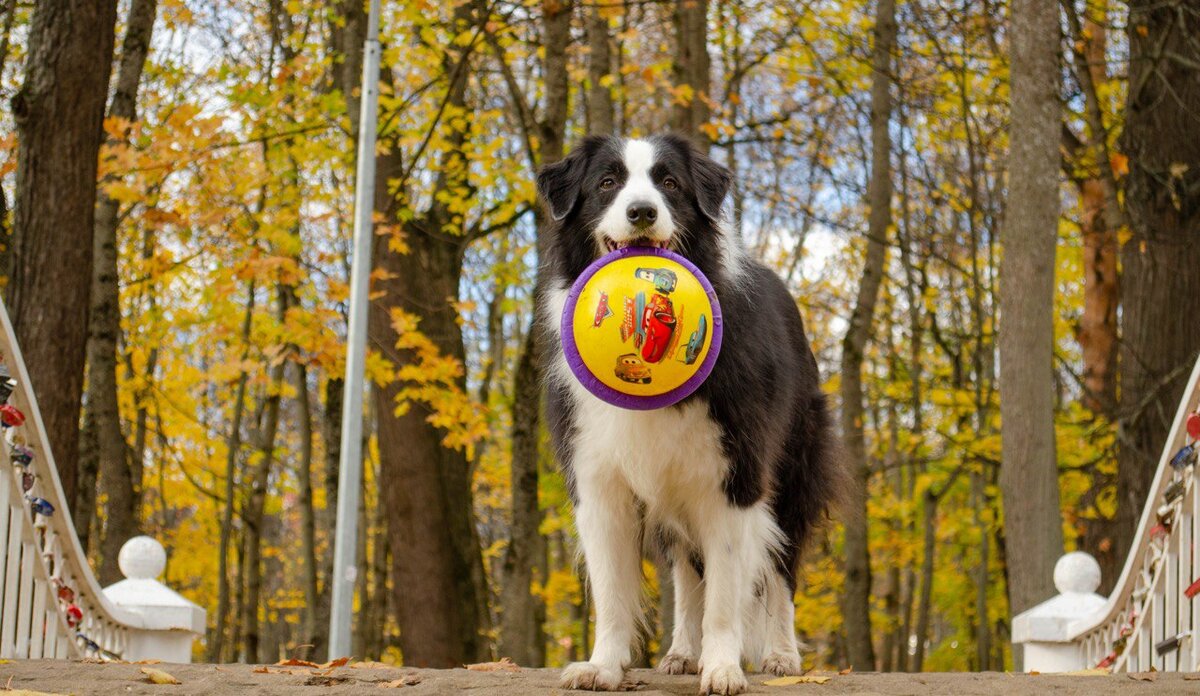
x,y
559,184
712,182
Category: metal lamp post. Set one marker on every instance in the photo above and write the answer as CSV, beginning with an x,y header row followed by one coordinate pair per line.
x,y
345,568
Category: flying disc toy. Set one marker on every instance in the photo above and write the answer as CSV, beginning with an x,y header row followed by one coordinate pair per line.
x,y
641,328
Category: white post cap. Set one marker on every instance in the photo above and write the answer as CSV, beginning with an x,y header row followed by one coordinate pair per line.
x,y
1077,573
143,558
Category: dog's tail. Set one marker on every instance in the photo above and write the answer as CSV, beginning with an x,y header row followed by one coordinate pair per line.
x,y
813,488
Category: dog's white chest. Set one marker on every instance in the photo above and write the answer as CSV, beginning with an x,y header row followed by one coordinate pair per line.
x,y
670,458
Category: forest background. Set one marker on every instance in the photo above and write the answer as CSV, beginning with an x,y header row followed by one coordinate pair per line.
x,y
177,190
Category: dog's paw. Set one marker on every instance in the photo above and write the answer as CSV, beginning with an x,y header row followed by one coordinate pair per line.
x,y
591,676
782,664
725,680
677,664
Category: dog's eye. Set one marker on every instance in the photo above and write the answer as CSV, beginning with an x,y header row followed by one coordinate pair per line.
x,y
607,183
670,183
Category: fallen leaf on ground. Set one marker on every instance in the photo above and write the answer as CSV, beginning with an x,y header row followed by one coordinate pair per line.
x,y
157,676
846,671
370,664
406,680
503,665
1191,676
341,661
788,681
1094,672
1143,676
147,662
293,662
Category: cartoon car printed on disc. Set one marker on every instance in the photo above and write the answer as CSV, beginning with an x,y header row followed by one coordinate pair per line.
x,y
631,368
663,342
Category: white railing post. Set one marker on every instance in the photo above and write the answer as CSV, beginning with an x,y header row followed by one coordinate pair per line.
x,y
170,623
1045,630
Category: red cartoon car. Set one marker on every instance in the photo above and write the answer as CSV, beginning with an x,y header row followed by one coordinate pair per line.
x,y
658,322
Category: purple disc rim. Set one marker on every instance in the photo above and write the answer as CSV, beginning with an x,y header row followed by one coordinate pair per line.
x,y
606,393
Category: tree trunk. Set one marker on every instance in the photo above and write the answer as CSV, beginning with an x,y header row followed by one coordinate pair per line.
x,y
425,485
856,602
983,627
1029,473
599,96
1097,336
233,445
692,70
925,602
913,290
59,113
331,436
1101,217
121,507
83,511
1160,288
254,513
379,572
521,633
891,597
362,581
310,633
521,636
1100,214
1098,323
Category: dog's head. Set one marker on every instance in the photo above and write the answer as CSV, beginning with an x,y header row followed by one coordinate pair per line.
x,y
611,192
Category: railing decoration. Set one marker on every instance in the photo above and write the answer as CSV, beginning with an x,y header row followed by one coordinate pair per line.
x,y
1152,616
50,603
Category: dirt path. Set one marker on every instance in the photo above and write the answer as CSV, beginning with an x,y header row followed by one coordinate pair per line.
x,y
88,678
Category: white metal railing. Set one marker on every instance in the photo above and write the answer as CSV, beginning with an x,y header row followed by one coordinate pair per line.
x,y
1151,618
50,602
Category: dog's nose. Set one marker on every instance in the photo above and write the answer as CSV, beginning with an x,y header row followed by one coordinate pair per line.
x,y
641,214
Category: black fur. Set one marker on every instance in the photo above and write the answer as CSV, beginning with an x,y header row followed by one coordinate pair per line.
x,y
764,391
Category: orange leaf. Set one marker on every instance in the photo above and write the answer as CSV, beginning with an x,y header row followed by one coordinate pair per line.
x,y
504,665
1119,164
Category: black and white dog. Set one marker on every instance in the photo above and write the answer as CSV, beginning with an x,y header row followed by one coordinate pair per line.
x,y
729,481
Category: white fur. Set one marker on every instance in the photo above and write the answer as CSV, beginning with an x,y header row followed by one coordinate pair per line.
x,y
734,253
780,652
683,656
639,159
671,461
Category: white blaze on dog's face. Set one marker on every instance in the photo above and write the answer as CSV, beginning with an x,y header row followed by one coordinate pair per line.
x,y
610,193
639,212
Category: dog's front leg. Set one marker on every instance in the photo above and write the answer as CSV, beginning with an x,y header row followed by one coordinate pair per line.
x,y
607,521
728,566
